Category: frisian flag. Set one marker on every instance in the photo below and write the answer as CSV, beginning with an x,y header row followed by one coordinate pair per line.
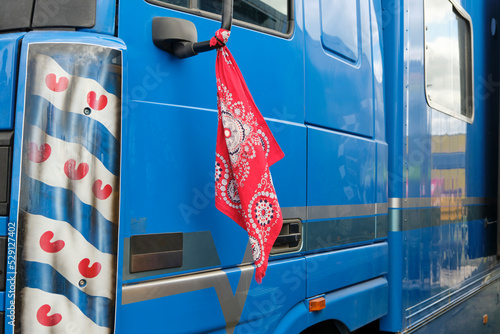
x,y
68,207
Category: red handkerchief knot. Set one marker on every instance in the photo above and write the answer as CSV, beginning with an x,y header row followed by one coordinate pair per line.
x,y
245,149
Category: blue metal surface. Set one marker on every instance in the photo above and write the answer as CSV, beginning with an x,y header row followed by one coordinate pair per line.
x,y
167,171
187,173
448,160
322,92
14,204
296,320
264,305
9,45
2,301
177,80
439,167
105,18
335,16
441,261
166,313
392,322
469,315
3,225
339,93
394,92
356,305
14,199
181,129
377,33
335,270
341,168
179,160
382,174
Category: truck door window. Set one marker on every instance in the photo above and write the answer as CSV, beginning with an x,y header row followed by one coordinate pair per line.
x,y
449,59
271,15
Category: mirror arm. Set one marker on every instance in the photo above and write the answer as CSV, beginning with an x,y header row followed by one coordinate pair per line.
x,y
227,15
184,49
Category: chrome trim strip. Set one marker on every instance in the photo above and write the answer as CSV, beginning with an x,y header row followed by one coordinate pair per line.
x,y
381,208
424,202
248,256
172,286
340,211
395,221
334,211
394,203
419,202
356,210
295,212
231,304
479,201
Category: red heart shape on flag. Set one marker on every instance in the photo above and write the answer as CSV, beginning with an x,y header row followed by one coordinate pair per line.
x,y
99,192
89,272
96,103
39,155
56,85
73,172
48,246
43,317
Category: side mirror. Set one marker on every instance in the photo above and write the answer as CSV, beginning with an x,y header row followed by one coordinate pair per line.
x,y
179,37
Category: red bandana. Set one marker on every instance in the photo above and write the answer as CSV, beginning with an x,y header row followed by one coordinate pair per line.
x,y
245,149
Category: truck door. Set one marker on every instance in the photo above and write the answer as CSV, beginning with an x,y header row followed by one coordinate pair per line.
x,y
178,255
345,118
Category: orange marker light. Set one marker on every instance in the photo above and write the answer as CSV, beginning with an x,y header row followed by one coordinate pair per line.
x,y
485,319
317,304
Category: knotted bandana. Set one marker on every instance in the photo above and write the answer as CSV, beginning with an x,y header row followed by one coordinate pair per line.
x,y
244,151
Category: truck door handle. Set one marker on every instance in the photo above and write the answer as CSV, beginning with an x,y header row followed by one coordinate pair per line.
x,y
287,239
179,37
290,237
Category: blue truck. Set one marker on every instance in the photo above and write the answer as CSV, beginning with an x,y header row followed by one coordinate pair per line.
x,y
387,112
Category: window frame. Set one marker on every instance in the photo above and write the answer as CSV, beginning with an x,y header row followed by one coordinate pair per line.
x,y
239,23
463,13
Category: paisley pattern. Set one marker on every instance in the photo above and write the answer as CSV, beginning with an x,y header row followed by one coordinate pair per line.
x,y
245,150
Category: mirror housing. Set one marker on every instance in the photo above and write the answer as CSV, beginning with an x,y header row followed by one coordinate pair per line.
x,y
179,37
174,35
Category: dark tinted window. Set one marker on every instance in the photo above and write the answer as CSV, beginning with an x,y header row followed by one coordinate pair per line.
x,y
270,14
15,14
183,3
28,14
